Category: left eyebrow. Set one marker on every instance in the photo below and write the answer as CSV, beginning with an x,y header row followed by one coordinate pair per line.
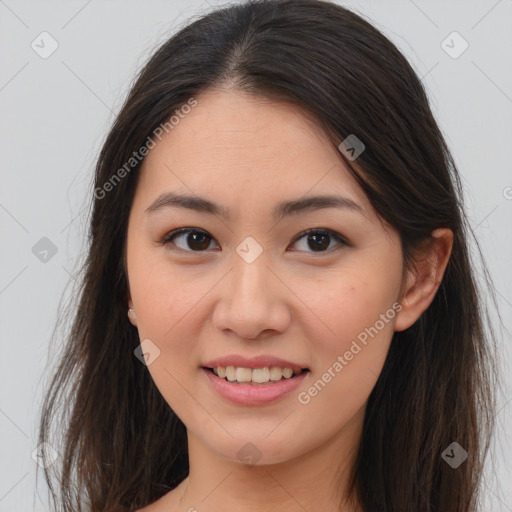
x,y
283,209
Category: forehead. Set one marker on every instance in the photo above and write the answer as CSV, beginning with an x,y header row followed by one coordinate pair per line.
x,y
235,144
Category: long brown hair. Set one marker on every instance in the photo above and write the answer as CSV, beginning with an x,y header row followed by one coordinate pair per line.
x,y
122,447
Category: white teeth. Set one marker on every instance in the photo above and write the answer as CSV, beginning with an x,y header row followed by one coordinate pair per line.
x,y
256,375
260,375
275,373
243,374
287,372
230,373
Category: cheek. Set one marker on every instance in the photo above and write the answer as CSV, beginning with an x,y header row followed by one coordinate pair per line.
x,y
354,314
153,290
170,306
167,304
347,361
162,293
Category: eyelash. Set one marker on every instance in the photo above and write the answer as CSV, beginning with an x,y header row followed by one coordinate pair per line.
x,y
169,237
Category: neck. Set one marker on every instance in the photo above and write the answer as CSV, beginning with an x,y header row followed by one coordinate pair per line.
x,y
314,480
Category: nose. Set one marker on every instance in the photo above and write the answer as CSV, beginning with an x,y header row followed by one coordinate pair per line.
x,y
252,301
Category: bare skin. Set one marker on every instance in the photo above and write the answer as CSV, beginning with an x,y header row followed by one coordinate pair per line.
x,y
293,301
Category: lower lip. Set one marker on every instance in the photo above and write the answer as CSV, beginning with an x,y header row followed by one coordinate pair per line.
x,y
245,394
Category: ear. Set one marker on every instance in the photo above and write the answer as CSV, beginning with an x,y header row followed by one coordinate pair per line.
x,y
131,315
424,279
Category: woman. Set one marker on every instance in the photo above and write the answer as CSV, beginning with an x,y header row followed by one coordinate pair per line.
x,y
278,307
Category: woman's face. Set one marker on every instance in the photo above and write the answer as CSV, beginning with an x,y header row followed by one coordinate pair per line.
x,y
252,285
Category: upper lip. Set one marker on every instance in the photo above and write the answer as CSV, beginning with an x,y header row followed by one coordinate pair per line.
x,y
253,362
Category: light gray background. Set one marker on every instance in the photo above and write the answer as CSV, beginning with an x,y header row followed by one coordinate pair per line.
x,y
55,113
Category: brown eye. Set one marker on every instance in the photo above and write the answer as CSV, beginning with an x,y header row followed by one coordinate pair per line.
x,y
192,240
319,240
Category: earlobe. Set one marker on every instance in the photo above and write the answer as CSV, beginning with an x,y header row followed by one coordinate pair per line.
x,y
131,313
424,279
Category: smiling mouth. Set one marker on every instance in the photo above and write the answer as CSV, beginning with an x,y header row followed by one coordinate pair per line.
x,y
255,376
